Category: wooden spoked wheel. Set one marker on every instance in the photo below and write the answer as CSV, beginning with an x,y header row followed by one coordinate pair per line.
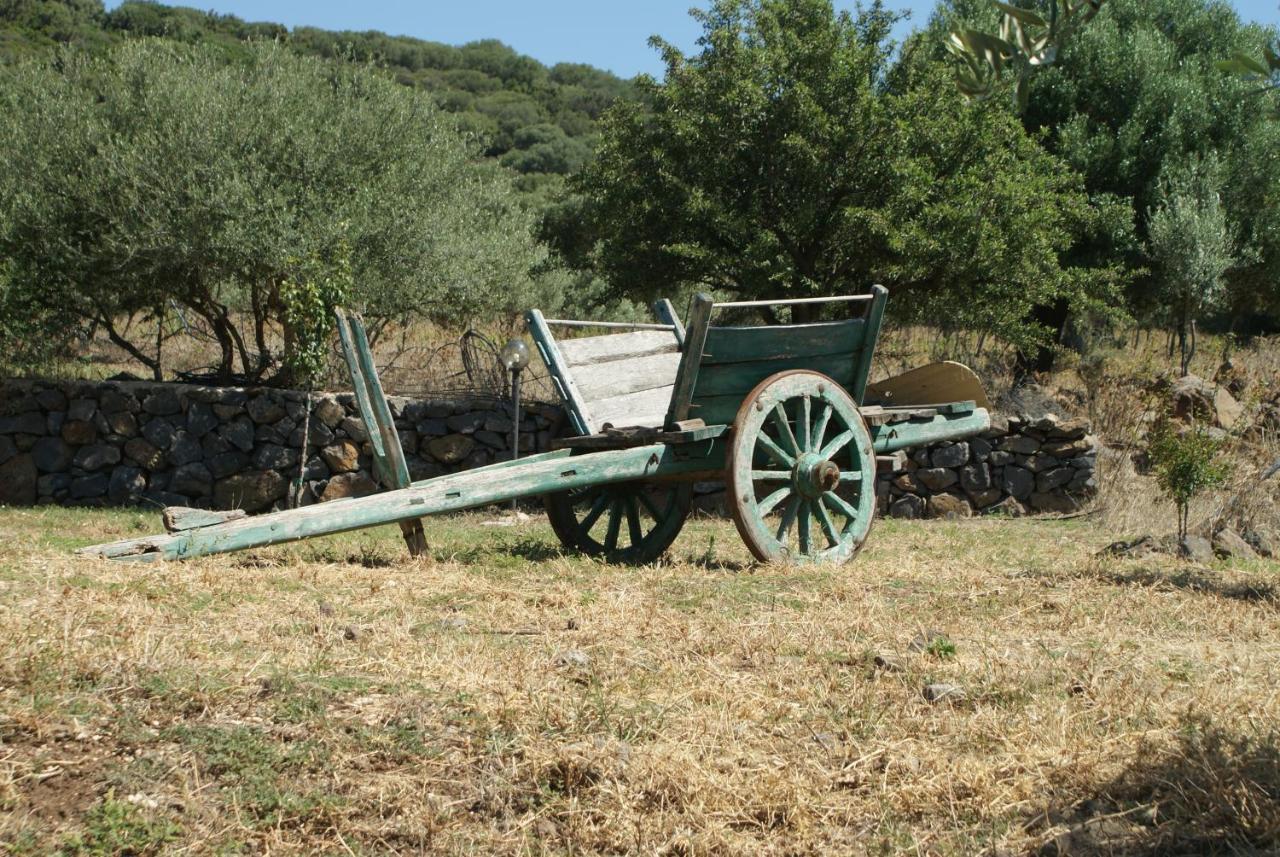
x,y
628,522
801,471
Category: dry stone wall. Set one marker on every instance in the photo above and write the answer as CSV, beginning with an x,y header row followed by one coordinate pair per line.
x,y
131,443
128,443
1019,466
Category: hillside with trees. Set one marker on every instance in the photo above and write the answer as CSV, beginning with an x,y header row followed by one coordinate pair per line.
x,y
540,122
796,151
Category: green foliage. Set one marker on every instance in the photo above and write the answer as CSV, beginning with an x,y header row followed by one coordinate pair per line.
x,y
493,91
115,827
1186,463
1135,98
1027,40
307,304
1265,71
161,173
792,157
1190,245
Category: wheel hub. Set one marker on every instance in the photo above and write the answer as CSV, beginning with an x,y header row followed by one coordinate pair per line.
x,y
814,476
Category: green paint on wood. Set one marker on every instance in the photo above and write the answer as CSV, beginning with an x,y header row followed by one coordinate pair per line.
x,y
801,418
783,341
875,320
895,436
695,339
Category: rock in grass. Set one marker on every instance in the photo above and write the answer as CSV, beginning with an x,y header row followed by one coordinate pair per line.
x,y
572,659
943,692
925,639
1196,549
1228,543
1262,543
887,663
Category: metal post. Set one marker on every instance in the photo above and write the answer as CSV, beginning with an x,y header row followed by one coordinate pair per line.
x,y
515,419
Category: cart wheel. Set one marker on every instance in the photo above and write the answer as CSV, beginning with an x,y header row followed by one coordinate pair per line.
x,y
629,522
801,471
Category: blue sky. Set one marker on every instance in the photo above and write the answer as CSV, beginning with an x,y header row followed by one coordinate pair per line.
x,y
608,34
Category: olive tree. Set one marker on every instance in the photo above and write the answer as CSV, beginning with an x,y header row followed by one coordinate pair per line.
x,y
250,195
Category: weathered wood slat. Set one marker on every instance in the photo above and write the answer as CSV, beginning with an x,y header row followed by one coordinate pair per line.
x,y
579,415
178,518
619,377
560,470
867,349
666,314
937,382
782,341
621,439
644,408
616,346
691,356
389,460
738,379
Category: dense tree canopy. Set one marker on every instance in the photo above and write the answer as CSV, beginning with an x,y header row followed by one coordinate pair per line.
x,y
161,177
791,157
495,92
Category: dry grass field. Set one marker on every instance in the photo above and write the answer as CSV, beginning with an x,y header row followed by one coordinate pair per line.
x,y
334,697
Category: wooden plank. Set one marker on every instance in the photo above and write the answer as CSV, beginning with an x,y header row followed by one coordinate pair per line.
x,y
875,320
782,341
549,349
360,389
619,377
178,518
937,382
550,471
666,314
394,471
889,438
643,408
691,356
795,301
716,410
616,346
621,439
729,379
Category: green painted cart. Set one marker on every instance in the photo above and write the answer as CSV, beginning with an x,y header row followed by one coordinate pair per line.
x,y
775,411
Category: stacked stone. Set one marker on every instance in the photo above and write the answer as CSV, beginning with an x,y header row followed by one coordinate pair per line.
x,y
1019,466
128,443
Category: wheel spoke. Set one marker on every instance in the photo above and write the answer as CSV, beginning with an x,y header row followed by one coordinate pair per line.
x,y
597,509
834,499
615,523
828,525
805,416
838,443
771,475
633,521
783,423
789,518
649,505
820,430
768,504
803,523
776,452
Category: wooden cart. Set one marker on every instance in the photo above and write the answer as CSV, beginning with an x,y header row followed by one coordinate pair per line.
x,y
775,411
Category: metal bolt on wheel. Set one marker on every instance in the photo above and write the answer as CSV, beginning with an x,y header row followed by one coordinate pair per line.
x,y
801,471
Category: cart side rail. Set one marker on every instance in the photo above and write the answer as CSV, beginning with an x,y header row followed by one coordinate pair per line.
x,y
721,364
620,378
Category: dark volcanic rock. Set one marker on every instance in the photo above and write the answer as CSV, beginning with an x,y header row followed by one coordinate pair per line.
x,y
251,491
